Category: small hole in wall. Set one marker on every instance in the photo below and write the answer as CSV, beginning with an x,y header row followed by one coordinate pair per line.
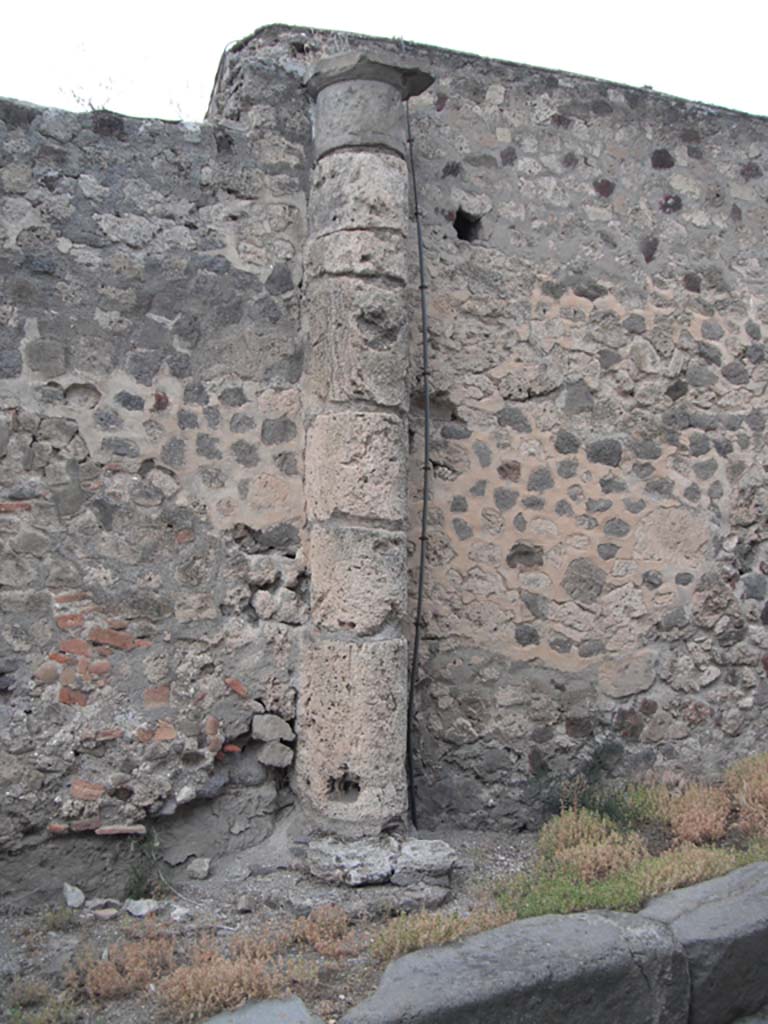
x,y
466,226
345,789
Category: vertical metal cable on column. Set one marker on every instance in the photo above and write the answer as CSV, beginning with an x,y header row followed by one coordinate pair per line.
x,y
425,482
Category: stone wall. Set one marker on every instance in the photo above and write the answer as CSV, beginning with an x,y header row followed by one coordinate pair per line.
x,y
597,549
152,578
597,564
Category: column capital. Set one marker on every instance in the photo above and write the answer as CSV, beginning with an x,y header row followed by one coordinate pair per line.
x,y
356,66
359,101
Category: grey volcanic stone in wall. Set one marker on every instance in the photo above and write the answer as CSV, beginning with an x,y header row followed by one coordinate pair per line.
x,y
586,968
270,1011
722,925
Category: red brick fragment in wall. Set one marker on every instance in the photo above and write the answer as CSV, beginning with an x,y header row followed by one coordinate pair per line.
x,y
211,725
74,645
68,676
71,598
56,828
143,735
117,623
86,825
112,638
82,789
69,696
71,621
10,507
142,643
232,748
236,686
164,732
185,536
62,659
157,697
99,668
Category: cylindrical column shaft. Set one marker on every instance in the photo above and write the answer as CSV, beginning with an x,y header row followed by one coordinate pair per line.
x,y
353,701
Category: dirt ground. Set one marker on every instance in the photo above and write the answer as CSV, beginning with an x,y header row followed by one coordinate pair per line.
x,y
43,943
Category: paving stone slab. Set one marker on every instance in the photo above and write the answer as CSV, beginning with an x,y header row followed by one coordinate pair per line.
x,y
591,968
268,1011
722,925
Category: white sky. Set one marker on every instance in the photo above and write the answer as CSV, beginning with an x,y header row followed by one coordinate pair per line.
x,y
159,59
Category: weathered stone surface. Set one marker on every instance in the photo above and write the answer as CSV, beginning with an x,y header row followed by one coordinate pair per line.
x,y
274,754
424,860
584,580
593,967
142,908
271,727
360,113
358,333
199,868
410,862
356,774
374,65
356,466
722,926
363,862
73,897
268,1011
627,675
364,253
672,533
359,190
358,578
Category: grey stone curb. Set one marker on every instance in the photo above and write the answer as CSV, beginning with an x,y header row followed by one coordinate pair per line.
x,y
270,1011
695,956
591,968
722,926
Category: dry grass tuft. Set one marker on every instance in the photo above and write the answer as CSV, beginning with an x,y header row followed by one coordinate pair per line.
x,y
128,968
575,827
25,992
593,860
32,1001
326,929
686,864
747,781
408,932
700,814
59,919
213,982
264,944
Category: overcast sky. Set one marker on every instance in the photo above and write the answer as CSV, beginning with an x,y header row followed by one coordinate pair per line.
x,y
159,59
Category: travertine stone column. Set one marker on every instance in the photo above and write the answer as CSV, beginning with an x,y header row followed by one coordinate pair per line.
x,y
353,702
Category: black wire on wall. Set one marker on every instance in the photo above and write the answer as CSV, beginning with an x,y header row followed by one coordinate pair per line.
x,y
425,483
